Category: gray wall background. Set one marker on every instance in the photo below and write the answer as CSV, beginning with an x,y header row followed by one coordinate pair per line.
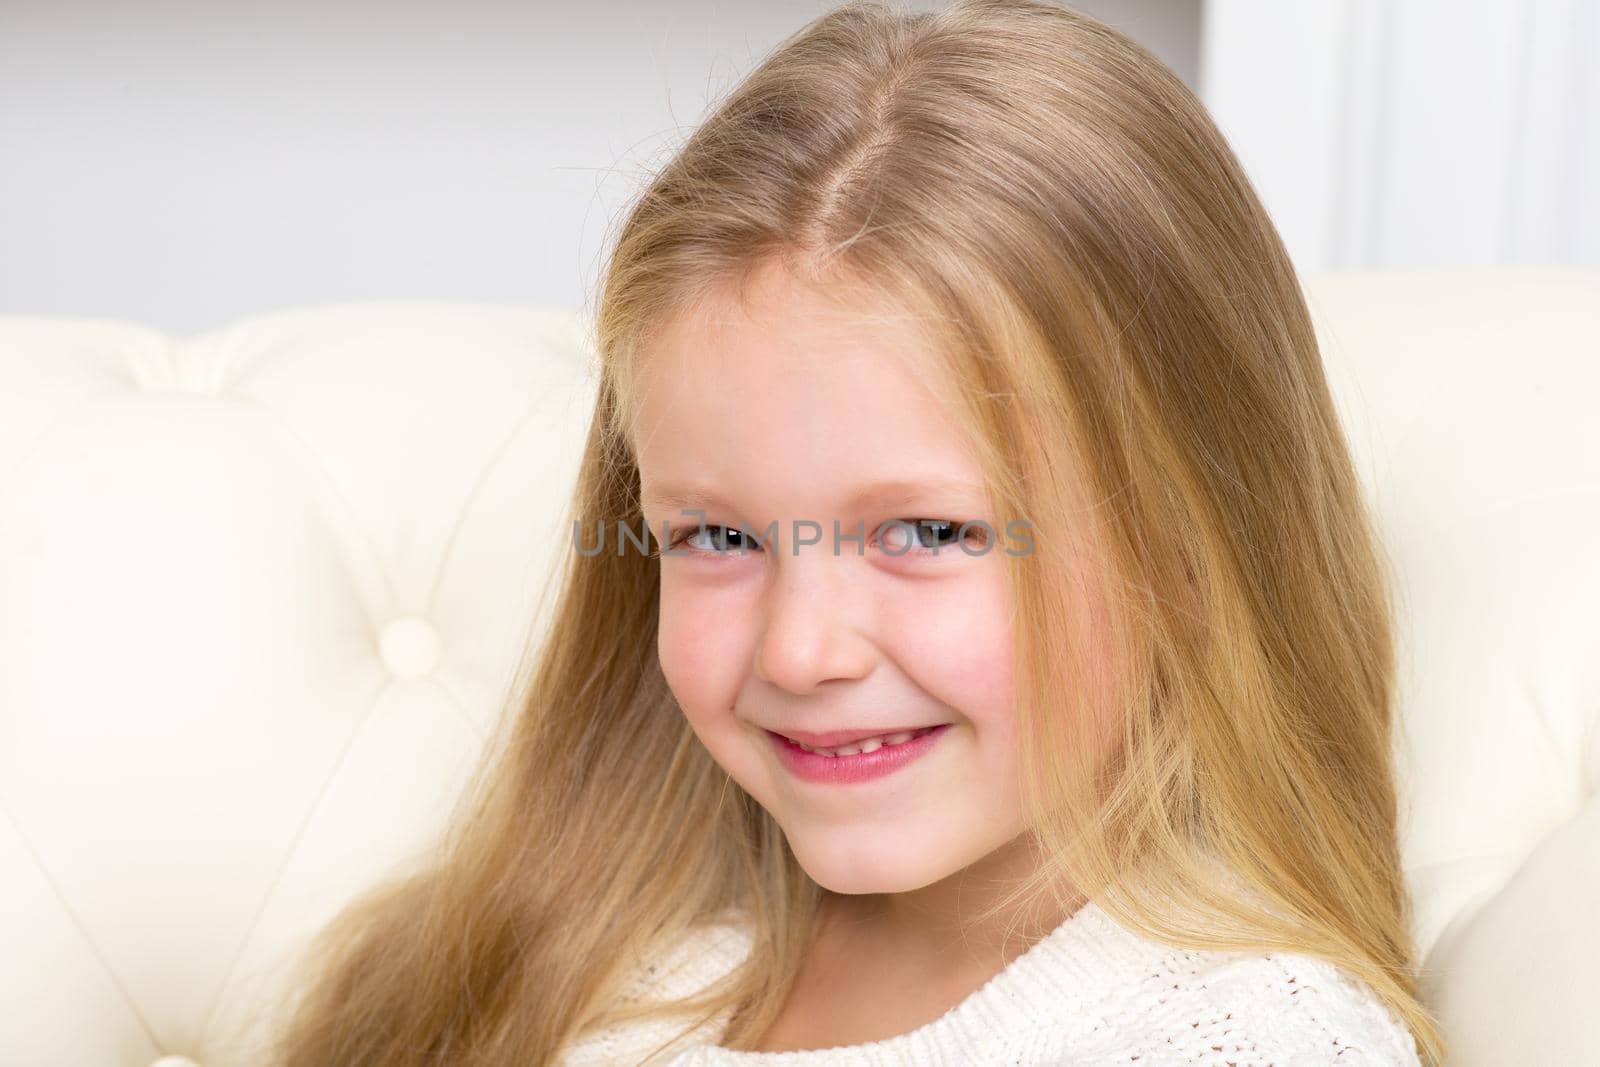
x,y
185,164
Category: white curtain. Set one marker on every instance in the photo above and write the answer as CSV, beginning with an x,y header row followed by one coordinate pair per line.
x,y
1414,133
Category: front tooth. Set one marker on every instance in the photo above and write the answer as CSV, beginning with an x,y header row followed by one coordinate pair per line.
x,y
871,744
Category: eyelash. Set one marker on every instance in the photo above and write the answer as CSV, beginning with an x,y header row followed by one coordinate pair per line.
x,y
677,537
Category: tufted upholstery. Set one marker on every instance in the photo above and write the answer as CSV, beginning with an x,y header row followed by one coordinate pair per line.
x,y
261,592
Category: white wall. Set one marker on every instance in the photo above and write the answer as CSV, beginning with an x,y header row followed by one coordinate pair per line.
x,y
185,163
182,164
1415,134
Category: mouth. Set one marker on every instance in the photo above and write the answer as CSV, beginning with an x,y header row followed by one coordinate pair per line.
x,y
852,742
860,761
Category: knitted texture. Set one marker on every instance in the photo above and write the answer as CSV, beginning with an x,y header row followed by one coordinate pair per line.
x,y
1091,992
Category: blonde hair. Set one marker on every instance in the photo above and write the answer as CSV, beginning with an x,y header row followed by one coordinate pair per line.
x,y
1125,340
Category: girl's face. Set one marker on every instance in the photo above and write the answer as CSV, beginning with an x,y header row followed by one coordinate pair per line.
x,y
802,413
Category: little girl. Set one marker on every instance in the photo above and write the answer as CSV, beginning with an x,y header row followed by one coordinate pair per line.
x,y
974,648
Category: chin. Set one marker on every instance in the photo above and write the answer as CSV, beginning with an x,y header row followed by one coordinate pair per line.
x,y
849,873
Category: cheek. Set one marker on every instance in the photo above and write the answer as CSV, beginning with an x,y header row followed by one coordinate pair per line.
x,y
958,646
698,643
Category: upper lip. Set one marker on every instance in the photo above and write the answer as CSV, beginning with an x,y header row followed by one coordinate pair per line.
x,y
835,738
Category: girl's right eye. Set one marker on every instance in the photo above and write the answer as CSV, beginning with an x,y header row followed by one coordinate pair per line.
x,y
713,539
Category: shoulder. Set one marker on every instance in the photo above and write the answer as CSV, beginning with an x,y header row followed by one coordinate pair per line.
x,y
703,955
1246,1011
1302,1009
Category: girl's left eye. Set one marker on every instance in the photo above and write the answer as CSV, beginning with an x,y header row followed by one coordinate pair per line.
x,y
914,535
903,537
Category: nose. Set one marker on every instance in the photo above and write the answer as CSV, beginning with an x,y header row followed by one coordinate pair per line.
x,y
815,619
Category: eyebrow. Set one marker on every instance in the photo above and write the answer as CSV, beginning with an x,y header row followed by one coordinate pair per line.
x,y
881,494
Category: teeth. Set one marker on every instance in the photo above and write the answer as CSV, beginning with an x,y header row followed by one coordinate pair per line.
x,y
867,744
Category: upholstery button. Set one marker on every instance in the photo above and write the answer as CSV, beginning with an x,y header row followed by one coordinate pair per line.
x,y
409,646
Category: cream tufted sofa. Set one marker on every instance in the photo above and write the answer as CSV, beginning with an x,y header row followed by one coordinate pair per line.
x,y
262,591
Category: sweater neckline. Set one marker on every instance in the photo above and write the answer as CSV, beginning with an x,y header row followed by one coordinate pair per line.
x,y
1047,984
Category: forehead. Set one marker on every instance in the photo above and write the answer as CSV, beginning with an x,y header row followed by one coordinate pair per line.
x,y
797,391
786,335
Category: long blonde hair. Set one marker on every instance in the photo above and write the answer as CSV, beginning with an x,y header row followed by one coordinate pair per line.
x,y
1128,347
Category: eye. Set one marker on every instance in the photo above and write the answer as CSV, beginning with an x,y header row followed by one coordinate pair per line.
x,y
717,540
928,537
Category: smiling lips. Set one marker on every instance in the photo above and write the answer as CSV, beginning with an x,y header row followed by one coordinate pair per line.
x,y
837,738
856,763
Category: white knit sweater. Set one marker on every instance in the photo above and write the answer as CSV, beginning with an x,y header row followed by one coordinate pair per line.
x,y
1091,992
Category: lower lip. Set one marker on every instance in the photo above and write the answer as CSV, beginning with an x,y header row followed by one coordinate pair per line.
x,y
862,767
